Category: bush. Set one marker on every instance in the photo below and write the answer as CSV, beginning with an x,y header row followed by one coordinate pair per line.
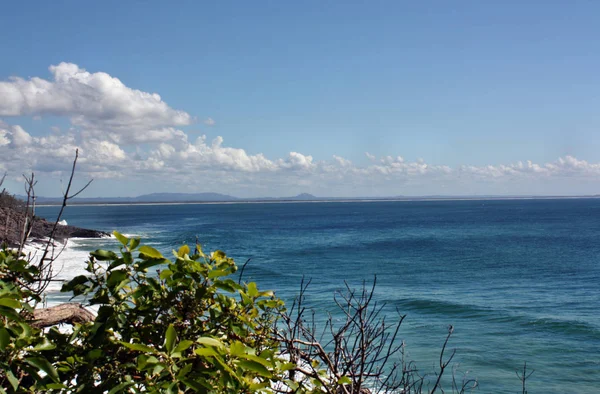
x,y
189,328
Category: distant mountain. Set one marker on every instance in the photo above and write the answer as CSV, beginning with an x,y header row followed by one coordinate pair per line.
x,y
303,197
218,197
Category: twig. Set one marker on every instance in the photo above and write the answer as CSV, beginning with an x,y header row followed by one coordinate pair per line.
x,y
524,376
443,364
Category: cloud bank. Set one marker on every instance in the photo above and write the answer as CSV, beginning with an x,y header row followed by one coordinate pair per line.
x,y
124,132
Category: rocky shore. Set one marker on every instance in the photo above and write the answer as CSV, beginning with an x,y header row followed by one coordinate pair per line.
x,y
11,225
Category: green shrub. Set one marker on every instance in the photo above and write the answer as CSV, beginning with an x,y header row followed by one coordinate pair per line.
x,y
190,327
24,362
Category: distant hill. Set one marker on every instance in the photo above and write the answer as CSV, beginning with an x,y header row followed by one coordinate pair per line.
x,y
218,197
303,197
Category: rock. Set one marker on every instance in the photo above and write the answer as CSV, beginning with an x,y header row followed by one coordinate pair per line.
x,y
11,225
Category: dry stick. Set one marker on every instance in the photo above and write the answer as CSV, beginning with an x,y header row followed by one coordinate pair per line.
x,y
241,271
323,356
28,221
443,364
66,197
523,378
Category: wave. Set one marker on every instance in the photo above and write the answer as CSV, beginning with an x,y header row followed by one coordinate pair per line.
x,y
70,260
448,308
565,326
504,317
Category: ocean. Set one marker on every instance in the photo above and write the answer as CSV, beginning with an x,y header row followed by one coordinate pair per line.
x,y
519,280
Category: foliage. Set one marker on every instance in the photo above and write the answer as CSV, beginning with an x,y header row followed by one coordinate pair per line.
x,y
185,325
189,328
24,364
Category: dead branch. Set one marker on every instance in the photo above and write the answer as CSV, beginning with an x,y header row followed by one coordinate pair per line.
x,y
444,364
70,313
45,263
524,376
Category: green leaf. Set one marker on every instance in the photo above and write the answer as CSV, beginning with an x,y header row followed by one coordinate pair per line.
x,y
10,303
10,313
208,341
151,262
138,347
44,365
4,338
94,354
206,352
149,251
164,274
218,255
133,243
14,382
229,287
183,251
255,367
115,278
252,290
256,359
170,338
287,367
216,273
123,239
196,386
104,255
116,263
237,349
199,249
55,386
45,345
344,380
119,388
74,283
183,345
158,369
184,371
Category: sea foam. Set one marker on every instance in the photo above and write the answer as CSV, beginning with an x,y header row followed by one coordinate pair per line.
x,y
69,260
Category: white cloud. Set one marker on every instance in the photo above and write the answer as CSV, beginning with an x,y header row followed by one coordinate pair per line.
x,y
4,137
297,161
342,162
20,137
96,102
123,132
179,159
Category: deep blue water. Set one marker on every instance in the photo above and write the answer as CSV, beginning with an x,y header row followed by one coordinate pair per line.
x,y
519,280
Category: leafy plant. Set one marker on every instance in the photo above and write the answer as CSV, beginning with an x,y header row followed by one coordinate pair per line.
x,y
189,327
24,362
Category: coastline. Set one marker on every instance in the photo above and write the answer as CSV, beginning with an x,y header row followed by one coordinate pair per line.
x,y
326,200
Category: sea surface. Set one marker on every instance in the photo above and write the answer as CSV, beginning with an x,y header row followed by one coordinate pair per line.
x,y
519,280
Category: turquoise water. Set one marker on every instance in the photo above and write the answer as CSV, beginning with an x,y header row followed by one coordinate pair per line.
x,y
519,280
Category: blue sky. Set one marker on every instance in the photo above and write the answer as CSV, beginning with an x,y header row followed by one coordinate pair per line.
x,y
332,98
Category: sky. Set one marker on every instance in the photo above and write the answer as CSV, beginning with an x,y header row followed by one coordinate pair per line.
x,y
277,98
